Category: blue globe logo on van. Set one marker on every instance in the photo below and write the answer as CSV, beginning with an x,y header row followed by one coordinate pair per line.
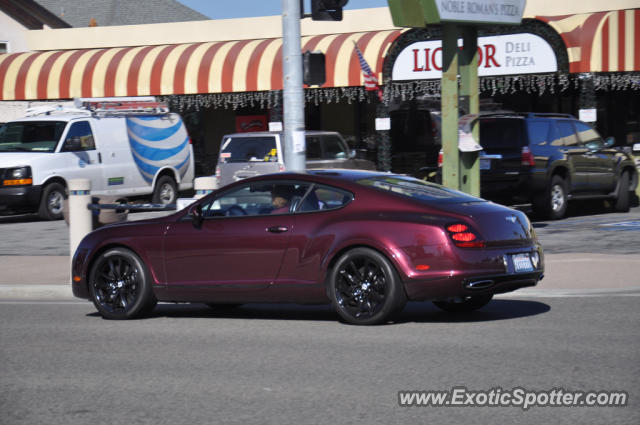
x,y
158,141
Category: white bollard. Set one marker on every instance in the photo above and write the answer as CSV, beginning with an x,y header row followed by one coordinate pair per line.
x,y
80,217
204,186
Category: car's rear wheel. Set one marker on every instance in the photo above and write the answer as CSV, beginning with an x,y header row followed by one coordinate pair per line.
x,y
621,203
552,203
166,191
52,201
120,285
464,305
364,287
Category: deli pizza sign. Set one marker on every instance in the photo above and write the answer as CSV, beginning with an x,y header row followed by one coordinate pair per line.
x,y
511,54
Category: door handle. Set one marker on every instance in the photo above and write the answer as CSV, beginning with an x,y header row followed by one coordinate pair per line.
x,y
277,229
99,157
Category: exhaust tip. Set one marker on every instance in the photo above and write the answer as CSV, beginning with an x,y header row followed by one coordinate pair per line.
x,y
479,284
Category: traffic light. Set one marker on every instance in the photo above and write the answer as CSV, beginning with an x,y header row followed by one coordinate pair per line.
x,y
327,10
314,68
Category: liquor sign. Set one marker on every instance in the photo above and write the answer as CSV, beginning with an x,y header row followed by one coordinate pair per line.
x,y
511,54
473,11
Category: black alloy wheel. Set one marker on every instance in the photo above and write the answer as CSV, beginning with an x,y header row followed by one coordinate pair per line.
x,y
119,285
465,305
364,287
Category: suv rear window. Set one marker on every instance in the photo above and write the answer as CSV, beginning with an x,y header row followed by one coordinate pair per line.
x,y
502,133
245,149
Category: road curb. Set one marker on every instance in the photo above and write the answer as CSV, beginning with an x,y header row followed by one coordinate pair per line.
x,y
38,291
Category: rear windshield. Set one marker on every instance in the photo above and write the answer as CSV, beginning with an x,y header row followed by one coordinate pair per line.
x,y
502,133
414,188
247,149
30,136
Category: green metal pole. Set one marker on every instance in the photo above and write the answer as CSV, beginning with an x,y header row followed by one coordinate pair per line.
x,y
449,105
469,99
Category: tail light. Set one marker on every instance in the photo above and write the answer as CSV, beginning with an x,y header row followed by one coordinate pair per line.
x,y
464,237
440,159
526,157
190,142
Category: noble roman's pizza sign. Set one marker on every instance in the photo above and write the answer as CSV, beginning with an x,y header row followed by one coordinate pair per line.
x,y
511,54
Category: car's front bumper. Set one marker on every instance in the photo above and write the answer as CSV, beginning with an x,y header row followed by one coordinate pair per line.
x,y
20,198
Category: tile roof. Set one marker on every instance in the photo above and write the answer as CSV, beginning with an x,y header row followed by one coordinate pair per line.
x,y
78,13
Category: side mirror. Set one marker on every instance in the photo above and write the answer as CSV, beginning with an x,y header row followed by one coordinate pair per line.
x,y
72,144
594,146
195,212
609,141
352,154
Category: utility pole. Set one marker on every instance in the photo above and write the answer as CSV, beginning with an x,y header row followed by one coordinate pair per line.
x,y
293,96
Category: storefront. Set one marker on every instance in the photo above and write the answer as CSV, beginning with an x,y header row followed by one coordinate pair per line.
x,y
548,64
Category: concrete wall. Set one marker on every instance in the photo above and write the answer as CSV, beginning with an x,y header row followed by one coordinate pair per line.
x,y
12,33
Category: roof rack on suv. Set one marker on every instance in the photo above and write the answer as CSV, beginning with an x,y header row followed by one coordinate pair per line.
x,y
549,115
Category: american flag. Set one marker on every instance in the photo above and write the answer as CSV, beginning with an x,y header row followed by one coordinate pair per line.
x,y
370,80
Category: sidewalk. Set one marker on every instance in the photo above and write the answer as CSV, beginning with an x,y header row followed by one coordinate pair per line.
x,y
48,277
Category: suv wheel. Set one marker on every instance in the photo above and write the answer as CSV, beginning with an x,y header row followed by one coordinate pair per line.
x,y
621,203
552,204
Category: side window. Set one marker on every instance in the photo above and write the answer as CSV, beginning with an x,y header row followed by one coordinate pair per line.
x,y
81,132
566,135
334,148
587,134
539,132
314,149
258,198
324,198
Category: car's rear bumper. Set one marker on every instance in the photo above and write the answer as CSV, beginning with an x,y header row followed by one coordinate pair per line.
x,y
20,198
462,285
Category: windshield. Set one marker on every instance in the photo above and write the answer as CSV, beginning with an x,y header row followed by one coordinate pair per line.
x,y
414,188
31,136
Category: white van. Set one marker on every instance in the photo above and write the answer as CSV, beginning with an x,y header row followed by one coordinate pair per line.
x,y
125,146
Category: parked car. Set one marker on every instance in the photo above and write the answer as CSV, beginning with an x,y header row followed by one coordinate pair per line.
x,y
550,159
364,241
124,146
245,155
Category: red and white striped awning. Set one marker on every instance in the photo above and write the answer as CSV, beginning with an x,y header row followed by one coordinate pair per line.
x,y
215,67
601,41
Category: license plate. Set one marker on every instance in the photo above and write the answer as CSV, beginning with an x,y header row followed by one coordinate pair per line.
x,y
522,263
485,163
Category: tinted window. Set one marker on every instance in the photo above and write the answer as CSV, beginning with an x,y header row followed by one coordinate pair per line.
x,y
258,198
500,134
324,198
244,149
333,147
82,131
538,132
587,134
314,148
31,136
566,135
413,188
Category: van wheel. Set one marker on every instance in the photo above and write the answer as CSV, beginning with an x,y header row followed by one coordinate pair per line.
x,y
51,202
165,192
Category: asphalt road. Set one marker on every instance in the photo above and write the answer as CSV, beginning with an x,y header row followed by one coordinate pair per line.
x,y
588,229
62,364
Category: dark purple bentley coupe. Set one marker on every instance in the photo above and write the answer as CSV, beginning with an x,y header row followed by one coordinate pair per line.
x,y
364,241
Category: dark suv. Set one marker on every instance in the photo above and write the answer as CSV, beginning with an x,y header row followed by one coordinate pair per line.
x,y
549,159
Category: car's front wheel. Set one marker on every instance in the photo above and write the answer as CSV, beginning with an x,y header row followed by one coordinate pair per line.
x,y
120,285
52,201
364,287
464,305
